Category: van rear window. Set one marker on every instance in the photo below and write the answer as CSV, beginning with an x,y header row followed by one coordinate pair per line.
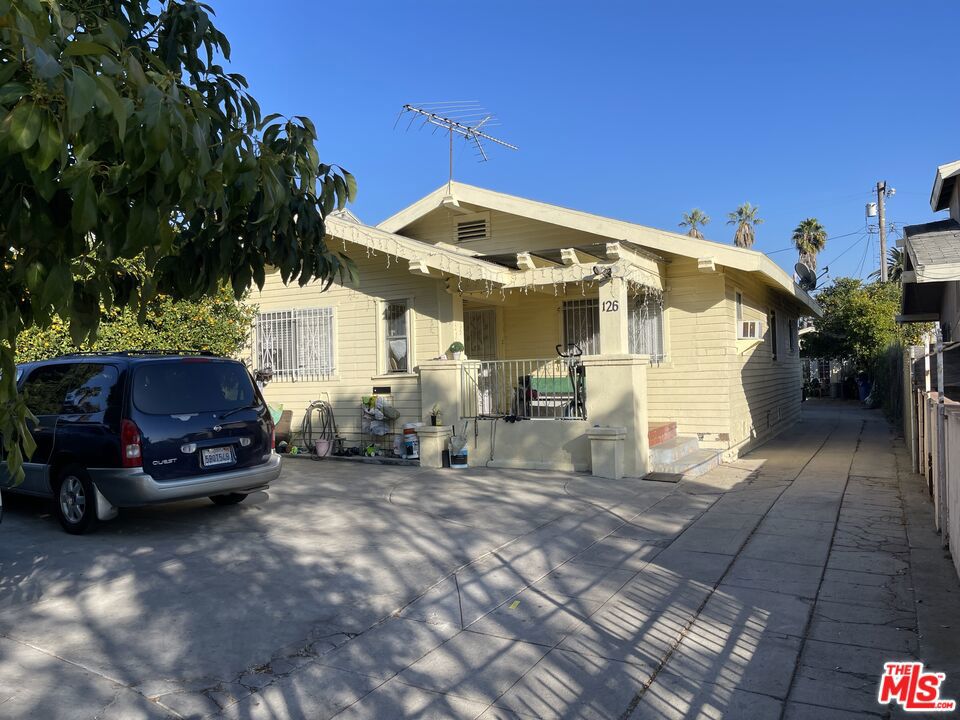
x,y
186,386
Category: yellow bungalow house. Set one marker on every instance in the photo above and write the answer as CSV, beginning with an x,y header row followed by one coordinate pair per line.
x,y
683,345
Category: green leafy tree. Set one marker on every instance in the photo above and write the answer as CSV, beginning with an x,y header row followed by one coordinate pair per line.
x,y
810,239
746,220
858,322
122,135
218,323
695,219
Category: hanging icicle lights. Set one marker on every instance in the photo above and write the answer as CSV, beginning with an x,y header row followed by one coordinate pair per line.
x,y
486,277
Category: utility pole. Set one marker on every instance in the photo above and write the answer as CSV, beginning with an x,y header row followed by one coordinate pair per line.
x,y
881,196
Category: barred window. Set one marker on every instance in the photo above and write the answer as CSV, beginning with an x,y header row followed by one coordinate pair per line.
x,y
296,344
645,318
581,325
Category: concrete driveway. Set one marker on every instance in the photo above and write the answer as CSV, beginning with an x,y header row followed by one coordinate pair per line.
x,y
368,591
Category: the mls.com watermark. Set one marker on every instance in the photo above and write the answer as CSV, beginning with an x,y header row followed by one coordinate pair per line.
x,y
915,690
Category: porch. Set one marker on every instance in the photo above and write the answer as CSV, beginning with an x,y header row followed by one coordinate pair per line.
x,y
547,367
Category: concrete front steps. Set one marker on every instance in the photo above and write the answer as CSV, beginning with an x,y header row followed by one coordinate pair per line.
x,y
673,456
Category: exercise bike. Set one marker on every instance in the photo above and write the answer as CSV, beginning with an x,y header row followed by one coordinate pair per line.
x,y
570,354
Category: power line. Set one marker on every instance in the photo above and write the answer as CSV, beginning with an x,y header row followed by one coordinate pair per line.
x,y
829,237
849,248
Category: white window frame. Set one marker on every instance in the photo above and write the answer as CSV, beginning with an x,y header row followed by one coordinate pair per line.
x,y
636,334
745,329
310,336
383,339
750,330
774,336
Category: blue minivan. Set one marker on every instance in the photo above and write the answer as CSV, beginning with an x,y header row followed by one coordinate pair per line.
x,y
127,429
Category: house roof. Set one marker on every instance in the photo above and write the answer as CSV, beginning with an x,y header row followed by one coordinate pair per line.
x,y
943,183
934,250
444,260
617,230
421,256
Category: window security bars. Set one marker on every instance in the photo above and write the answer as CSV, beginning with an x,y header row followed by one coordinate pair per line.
x,y
296,344
581,325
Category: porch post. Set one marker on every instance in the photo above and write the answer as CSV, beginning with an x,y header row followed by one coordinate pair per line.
x,y
440,385
614,335
449,317
616,387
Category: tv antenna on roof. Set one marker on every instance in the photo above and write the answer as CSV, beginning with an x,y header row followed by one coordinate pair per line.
x,y
465,118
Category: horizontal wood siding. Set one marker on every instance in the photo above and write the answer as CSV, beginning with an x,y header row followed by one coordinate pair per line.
x,y
765,394
691,386
532,328
359,346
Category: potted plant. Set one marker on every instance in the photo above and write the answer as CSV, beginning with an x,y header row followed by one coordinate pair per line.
x,y
436,415
457,349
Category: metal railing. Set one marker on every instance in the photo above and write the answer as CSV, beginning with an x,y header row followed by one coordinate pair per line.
x,y
538,389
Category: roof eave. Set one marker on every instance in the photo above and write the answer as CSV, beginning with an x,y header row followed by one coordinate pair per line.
x,y
655,238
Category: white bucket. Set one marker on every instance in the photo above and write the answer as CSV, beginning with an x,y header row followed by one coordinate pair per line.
x,y
411,442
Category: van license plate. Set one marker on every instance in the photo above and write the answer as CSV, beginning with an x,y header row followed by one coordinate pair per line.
x,y
216,456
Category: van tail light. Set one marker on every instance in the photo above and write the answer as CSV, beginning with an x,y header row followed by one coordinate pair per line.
x,y
131,449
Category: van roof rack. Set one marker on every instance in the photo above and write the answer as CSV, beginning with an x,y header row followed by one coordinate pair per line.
x,y
128,353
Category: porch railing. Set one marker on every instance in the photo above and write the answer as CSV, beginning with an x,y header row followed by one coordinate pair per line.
x,y
539,389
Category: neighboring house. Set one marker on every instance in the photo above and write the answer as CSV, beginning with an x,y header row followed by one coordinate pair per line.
x,y
931,293
679,336
931,268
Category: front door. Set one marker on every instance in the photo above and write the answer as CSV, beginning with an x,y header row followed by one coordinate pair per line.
x,y
480,333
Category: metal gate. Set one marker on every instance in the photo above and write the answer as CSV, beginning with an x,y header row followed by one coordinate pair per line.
x,y
480,333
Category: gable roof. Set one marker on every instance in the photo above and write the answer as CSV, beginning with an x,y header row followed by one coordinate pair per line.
x,y
420,255
943,183
619,230
934,250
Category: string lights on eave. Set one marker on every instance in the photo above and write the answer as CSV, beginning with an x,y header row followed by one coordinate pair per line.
x,y
640,281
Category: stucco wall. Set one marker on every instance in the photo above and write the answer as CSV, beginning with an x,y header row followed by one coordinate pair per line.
x,y
532,444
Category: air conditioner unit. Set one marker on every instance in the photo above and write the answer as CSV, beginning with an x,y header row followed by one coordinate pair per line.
x,y
751,329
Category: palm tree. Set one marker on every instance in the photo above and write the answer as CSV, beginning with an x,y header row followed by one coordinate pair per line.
x,y
894,266
745,218
810,238
695,219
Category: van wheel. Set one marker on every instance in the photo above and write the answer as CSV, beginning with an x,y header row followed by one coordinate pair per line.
x,y
230,499
75,501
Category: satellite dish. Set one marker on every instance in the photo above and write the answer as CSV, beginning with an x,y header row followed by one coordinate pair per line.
x,y
808,278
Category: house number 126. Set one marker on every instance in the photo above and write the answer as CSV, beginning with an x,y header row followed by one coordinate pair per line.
x,y
611,305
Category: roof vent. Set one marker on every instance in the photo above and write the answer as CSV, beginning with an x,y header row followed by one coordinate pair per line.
x,y
473,227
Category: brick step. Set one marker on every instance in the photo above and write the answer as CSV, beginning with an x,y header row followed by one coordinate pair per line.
x,y
661,432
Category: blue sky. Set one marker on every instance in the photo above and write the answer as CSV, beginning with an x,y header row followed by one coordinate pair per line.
x,y
635,110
